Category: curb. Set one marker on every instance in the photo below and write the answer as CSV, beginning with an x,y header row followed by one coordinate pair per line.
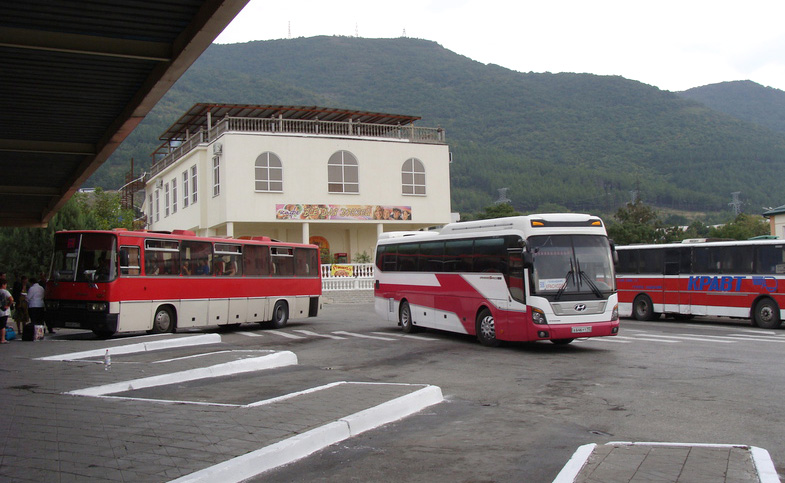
x,y
278,359
140,347
764,466
298,447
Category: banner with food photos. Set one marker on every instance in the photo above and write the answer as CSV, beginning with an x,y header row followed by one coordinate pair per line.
x,y
296,211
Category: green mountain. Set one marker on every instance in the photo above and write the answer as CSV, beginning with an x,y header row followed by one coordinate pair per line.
x,y
745,100
558,141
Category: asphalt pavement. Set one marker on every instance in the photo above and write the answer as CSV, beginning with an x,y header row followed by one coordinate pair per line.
x,y
191,407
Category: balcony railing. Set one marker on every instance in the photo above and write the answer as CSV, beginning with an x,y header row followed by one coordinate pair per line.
x,y
347,276
409,133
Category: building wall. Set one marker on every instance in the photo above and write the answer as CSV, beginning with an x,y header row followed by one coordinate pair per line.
x,y
240,210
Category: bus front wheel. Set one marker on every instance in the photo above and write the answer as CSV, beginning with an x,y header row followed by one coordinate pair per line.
x,y
163,321
643,309
405,318
767,314
486,329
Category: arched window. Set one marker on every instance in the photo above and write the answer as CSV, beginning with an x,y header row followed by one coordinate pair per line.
x,y
342,173
413,177
269,172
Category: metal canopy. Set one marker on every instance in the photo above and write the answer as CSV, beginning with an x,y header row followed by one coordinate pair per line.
x,y
76,79
197,116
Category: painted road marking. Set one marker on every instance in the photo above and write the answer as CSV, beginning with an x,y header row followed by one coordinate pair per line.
x,y
363,336
314,334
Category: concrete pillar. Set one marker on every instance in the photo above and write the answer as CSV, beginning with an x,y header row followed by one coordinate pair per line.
x,y
306,232
230,229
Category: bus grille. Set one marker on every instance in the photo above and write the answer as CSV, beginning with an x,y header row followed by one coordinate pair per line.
x,y
579,308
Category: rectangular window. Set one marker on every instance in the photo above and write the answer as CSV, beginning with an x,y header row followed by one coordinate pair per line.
x,y
166,200
431,257
283,261
130,262
306,262
150,208
157,205
216,176
161,257
185,189
256,260
174,195
407,257
458,256
196,258
194,185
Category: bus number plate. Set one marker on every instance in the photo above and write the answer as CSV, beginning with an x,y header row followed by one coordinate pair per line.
x,y
581,330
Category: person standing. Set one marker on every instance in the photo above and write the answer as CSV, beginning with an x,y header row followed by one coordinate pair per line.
x,y
6,300
19,293
35,303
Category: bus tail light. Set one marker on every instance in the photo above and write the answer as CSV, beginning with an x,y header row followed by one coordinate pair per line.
x,y
615,313
538,317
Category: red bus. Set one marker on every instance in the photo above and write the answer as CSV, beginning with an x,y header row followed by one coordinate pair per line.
x,y
526,278
125,281
741,279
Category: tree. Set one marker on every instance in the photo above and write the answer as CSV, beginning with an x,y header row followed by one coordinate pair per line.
x,y
636,223
743,227
500,210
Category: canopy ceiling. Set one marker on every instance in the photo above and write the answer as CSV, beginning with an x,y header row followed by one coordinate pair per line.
x,y
76,79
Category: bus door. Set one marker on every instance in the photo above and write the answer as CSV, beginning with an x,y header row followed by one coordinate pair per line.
x,y
676,298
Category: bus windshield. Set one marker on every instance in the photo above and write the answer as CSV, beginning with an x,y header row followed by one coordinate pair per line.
x,y
571,264
84,257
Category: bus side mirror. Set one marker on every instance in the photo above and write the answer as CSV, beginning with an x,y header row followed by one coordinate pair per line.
x,y
528,258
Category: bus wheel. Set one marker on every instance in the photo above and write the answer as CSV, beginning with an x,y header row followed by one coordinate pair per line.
x,y
562,341
405,318
767,314
643,309
280,315
486,329
163,321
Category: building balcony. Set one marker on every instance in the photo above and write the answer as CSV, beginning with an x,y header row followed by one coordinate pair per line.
x,y
167,154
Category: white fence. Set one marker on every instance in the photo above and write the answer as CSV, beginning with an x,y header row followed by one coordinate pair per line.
x,y
347,276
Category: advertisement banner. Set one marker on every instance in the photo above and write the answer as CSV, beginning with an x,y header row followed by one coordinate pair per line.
x,y
342,270
296,211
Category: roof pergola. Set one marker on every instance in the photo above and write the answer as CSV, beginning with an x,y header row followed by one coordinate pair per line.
x,y
202,115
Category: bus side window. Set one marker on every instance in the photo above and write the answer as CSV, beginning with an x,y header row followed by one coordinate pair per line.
x,y
129,261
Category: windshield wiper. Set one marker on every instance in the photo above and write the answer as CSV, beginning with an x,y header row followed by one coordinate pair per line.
x,y
589,281
563,287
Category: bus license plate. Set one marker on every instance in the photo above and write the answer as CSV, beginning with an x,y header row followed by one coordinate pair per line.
x,y
581,330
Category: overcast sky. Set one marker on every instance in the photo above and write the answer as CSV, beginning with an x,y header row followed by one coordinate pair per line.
x,y
671,44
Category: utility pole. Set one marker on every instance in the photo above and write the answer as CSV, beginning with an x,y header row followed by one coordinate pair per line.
x,y
736,203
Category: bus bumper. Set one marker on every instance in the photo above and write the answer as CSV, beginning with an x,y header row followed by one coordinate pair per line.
x,y
576,331
78,317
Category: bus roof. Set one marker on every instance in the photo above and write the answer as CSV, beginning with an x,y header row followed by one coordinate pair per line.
x,y
188,235
728,243
538,224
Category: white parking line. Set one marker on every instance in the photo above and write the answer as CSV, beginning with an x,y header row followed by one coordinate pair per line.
x,y
709,338
363,336
648,339
314,334
285,334
250,334
186,341
405,336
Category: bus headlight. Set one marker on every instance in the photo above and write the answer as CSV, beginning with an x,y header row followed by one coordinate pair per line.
x,y
615,313
52,304
538,317
97,307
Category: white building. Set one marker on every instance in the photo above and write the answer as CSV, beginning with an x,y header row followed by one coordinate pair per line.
x,y
333,177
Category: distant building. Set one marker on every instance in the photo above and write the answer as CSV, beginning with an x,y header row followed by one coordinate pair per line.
x,y
334,177
776,218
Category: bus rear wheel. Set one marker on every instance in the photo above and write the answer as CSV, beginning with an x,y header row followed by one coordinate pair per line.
x,y
405,318
486,329
280,315
643,309
767,314
163,321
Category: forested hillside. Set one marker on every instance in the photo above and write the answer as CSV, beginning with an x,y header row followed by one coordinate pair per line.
x,y
745,100
557,141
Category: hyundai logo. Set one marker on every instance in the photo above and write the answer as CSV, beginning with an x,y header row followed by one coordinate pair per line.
x,y
580,307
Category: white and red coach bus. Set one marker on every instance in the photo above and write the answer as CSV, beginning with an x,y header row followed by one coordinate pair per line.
x,y
525,278
742,279
124,281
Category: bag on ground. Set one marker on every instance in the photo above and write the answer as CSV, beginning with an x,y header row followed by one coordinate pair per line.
x,y
28,332
10,333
